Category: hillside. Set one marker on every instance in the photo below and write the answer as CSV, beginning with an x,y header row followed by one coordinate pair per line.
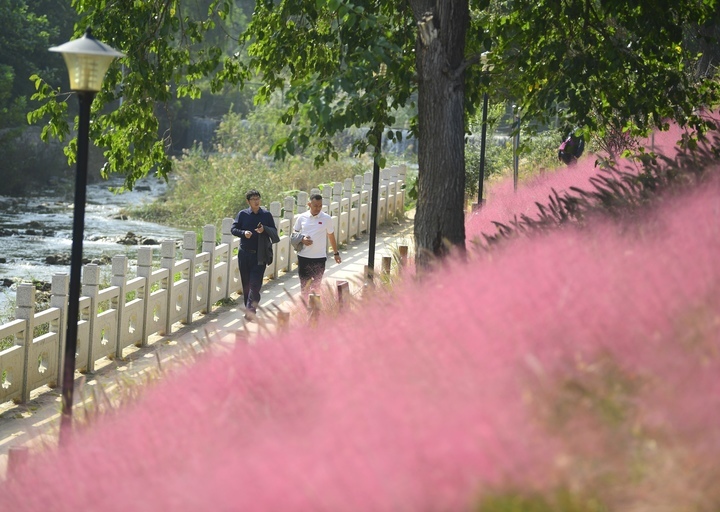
x,y
570,364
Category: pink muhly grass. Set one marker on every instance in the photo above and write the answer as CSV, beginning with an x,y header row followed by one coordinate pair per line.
x,y
582,358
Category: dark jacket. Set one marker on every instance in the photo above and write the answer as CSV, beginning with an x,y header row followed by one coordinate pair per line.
x,y
265,245
246,220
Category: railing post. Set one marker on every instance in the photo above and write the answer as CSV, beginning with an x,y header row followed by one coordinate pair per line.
x,y
119,279
327,197
302,201
343,293
226,237
314,303
209,246
403,251
386,265
25,310
369,275
90,289
190,254
58,299
289,215
283,320
167,260
18,457
144,269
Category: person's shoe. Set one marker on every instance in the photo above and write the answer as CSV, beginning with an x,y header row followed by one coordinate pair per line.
x,y
250,316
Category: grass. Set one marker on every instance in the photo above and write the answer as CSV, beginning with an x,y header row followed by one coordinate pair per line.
x,y
569,365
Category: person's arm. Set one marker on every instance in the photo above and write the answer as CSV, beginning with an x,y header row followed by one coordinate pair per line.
x,y
333,244
236,228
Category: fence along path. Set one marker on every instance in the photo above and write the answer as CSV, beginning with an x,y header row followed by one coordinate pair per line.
x,y
164,297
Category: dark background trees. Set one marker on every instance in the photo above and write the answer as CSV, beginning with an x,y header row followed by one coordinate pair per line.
x,y
601,66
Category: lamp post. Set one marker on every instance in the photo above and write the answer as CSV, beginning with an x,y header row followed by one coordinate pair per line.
x,y
483,136
374,206
87,60
374,192
516,146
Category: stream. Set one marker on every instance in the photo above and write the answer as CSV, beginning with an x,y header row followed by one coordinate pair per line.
x,y
33,229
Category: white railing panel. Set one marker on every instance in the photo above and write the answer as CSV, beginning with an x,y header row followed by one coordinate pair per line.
x,y
179,293
390,199
282,254
131,316
44,353
234,282
82,347
104,342
156,303
364,218
353,222
382,211
42,362
219,274
12,361
343,234
199,282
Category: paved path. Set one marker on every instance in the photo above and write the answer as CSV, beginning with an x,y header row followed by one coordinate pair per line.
x,y
36,423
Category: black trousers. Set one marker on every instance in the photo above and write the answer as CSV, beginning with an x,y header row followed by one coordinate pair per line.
x,y
310,271
251,277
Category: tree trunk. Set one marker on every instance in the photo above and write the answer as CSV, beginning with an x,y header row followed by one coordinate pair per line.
x,y
440,215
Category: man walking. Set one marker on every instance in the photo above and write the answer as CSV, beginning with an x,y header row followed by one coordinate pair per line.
x,y
256,229
313,228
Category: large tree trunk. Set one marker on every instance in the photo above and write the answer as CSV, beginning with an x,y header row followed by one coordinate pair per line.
x,y
440,215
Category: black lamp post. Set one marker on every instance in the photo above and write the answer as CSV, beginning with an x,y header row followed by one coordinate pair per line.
x,y
87,60
374,207
483,136
374,192
516,146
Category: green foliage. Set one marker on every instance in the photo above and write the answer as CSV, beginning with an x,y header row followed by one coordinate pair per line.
x,y
557,501
165,60
343,63
24,40
607,65
339,63
537,151
209,186
616,193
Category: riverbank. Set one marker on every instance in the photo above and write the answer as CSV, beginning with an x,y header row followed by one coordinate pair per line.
x,y
34,230
35,423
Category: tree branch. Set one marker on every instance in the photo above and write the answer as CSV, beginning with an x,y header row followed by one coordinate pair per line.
x,y
471,61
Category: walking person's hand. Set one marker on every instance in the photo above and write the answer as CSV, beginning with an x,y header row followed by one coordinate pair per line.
x,y
338,259
307,240
260,228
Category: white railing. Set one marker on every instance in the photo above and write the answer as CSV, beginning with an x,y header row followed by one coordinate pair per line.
x,y
133,309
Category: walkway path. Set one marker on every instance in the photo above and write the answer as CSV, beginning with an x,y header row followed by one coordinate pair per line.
x,y
37,422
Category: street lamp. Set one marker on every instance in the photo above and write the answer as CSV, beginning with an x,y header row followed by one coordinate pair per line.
x,y
516,145
87,60
374,193
483,137
374,207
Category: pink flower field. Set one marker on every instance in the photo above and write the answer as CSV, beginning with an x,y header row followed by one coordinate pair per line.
x,y
573,370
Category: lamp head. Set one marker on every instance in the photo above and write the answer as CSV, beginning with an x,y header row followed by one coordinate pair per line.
x,y
485,61
87,60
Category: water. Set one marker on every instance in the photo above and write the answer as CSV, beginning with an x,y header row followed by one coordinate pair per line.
x,y
44,228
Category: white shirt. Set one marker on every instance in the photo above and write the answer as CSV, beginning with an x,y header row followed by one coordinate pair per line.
x,y
317,228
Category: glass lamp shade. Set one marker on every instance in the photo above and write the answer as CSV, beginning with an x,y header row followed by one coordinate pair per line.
x,y
484,58
87,60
